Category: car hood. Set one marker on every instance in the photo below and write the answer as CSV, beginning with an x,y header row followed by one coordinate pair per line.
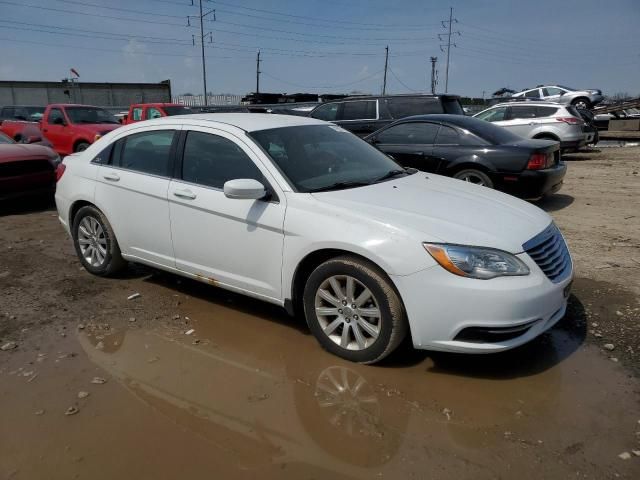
x,y
17,151
441,209
101,128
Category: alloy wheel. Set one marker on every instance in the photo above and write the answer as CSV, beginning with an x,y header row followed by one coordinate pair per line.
x,y
92,241
348,312
472,178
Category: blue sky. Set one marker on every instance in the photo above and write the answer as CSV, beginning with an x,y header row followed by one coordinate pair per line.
x,y
326,45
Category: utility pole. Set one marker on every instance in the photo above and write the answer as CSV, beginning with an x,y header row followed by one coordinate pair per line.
x,y
202,37
386,63
433,74
448,24
258,73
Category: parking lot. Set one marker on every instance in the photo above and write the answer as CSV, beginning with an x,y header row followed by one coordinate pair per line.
x,y
188,380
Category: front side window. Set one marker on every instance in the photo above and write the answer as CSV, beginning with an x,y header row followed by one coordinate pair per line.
x,y
146,152
415,133
137,114
153,112
493,115
211,160
549,91
360,110
325,157
326,112
55,115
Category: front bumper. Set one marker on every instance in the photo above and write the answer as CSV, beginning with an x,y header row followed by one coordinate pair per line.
x,y
442,308
536,183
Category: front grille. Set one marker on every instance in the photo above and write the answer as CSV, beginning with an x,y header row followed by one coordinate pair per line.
x,y
549,250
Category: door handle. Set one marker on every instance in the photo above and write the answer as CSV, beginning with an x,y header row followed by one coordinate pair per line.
x,y
113,177
188,194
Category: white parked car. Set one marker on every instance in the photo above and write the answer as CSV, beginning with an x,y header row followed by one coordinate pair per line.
x,y
304,214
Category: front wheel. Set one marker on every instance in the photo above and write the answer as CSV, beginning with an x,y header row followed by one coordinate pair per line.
x,y
95,242
353,310
582,103
477,177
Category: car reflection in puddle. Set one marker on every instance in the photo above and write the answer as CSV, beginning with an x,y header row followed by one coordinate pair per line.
x,y
263,400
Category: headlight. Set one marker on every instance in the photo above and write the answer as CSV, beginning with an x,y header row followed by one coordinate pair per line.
x,y
476,262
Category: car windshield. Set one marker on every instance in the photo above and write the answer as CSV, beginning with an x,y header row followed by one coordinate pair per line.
x,y
90,115
177,110
325,157
4,139
568,88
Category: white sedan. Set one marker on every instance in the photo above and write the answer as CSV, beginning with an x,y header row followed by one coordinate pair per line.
x,y
304,214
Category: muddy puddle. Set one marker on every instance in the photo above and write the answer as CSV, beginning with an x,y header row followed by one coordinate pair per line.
x,y
234,389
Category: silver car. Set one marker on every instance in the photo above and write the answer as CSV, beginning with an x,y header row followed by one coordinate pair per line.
x,y
546,120
564,95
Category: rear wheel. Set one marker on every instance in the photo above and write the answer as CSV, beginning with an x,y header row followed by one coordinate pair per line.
x,y
353,310
477,177
81,147
95,242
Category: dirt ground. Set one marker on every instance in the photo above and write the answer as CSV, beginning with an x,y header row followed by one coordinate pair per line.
x,y
188,381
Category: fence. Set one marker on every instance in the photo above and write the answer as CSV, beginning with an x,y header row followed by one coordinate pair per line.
x,y
198,100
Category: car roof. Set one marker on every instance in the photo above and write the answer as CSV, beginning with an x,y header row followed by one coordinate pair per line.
x,y
249,122
459,120
528,104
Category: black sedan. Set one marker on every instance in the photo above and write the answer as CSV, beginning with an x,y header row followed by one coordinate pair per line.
x,y
474,151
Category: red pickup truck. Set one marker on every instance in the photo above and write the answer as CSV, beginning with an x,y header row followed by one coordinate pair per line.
x,y
70,128
146,111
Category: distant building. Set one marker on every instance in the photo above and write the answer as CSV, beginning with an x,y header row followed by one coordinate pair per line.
x,y
89,93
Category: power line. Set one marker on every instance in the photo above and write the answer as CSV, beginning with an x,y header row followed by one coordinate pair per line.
x,y
61,10
118,9
401,82
346,22
322,86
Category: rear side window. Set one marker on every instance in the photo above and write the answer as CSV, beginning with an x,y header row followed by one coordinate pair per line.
x,y
535,93
327,112
153,113
211,160
406,107
448,136
452,106
146,152
136,114
409,133
360,110
523,112
545,111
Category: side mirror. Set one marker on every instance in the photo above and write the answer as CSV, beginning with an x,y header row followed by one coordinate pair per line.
x,y
58,121
244,188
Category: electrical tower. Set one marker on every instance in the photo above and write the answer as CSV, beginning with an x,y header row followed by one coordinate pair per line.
x,y
202,38
434,74
448,24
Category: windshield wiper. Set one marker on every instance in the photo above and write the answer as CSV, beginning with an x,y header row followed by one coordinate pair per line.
x,y
390,174
339,186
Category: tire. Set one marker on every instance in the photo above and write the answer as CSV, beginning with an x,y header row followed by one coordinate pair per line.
x,y
582,102
380,335
474,176
91,230
81,147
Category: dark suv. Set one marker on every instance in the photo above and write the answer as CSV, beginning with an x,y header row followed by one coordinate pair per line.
x,y
365,115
